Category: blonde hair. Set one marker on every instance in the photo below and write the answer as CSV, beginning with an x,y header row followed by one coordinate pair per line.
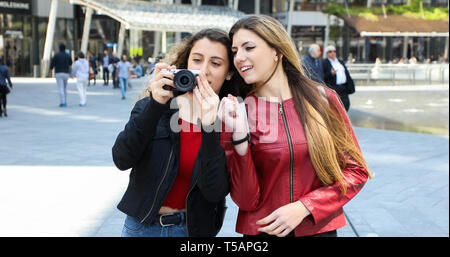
x,y
330,142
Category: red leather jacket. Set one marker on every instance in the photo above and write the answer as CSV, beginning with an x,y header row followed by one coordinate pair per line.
x,y
277,170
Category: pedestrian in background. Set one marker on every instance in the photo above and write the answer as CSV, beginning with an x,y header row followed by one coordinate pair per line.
x,y
179,180
337,76
151,65
61,63
105,61
313,63
4,90
93,64
113,69
136,69
123,73
300,163
81,72
350,59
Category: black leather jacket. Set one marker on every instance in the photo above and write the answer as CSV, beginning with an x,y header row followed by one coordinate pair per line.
x,y
150,147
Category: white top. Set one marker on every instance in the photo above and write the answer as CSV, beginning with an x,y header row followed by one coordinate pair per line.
x,y
80,69
340,71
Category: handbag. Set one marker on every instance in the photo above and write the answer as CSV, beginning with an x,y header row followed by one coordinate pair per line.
x,y
4,90
350,88
91,73
350,83
110,67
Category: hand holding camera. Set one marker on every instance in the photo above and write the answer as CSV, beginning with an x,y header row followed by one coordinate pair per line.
x,y
184,80
169,82
163,78
176,82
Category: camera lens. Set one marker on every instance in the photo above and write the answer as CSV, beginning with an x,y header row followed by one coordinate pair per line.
x,y
184,80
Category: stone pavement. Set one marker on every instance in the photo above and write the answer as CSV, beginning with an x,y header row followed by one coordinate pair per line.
x,y
57,177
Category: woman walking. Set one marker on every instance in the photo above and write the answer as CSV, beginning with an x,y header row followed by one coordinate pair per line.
x,y
81,71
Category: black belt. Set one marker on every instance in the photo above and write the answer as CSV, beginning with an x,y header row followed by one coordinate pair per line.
x,y
169,219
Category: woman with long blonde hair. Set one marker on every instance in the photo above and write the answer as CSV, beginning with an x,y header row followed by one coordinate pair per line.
x,y
292,173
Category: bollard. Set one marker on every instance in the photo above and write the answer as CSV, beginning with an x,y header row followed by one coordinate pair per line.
x,y
36,71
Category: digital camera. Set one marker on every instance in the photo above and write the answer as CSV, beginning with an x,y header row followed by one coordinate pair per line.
x,y
184,80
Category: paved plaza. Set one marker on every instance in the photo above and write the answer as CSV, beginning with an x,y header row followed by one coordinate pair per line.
x,y
57,177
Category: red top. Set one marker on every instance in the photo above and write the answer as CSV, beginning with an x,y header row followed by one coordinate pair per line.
x,y
190,141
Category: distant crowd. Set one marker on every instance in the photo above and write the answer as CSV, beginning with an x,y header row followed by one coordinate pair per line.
x,y
87,68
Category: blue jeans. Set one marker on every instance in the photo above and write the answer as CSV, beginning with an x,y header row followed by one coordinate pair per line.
x,y
123,86
133,228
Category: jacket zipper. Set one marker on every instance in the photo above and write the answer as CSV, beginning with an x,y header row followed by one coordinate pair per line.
x,y
159,186
193,185
291,163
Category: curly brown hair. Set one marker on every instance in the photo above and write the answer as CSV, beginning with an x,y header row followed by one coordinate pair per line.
x,y
179,56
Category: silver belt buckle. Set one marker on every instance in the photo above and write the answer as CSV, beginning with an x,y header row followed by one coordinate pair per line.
x,y
160,220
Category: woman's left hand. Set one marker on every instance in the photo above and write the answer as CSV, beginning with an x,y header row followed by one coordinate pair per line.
x,y
205,100
284,219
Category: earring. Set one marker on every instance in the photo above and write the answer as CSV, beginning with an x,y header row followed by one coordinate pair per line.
x,y
276,58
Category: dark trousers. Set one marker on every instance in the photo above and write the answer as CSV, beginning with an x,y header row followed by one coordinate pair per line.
x,y
2,102
292,234
105,75
346,101
115,81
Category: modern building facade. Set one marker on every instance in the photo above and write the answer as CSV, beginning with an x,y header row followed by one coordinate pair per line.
x,y
310,23
16,35
23,26
24,23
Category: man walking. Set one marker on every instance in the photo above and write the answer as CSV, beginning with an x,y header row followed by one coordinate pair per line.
x,y
313,63
337,77
61,62
123,73
93,64
106,71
